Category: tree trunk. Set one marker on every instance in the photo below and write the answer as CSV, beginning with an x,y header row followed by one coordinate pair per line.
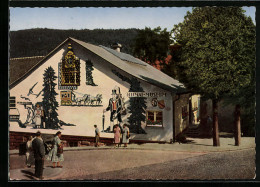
x,y
203,119
237,133
215,123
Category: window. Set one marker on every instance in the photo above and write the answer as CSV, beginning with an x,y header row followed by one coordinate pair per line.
x,y
12,102
13,111
154,118
70,69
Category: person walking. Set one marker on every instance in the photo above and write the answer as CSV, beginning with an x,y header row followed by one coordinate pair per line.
x,y
97,135
29,152
39,153
56,153
126,135
117,133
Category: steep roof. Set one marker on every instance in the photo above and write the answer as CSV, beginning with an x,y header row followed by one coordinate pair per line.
x,y
20,66
127,63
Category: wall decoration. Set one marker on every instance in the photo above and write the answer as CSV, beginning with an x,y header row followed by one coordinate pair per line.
x,y
89,77
154,102
146,94
137,104
70,69
115,107
161,104
25,98
60,87
31,91
68,98
137,107
49,102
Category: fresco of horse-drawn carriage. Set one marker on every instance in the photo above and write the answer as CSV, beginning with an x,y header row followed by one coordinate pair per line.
x,y
69,98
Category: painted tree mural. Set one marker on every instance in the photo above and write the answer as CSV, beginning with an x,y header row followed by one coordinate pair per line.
x,y
89,77
49,99
137,108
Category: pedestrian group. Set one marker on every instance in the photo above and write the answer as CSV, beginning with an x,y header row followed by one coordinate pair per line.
x,y
35,153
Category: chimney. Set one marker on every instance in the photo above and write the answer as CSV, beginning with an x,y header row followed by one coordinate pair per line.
x,y
117,47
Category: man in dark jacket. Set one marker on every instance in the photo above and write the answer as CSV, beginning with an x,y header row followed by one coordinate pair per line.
x,y
39,153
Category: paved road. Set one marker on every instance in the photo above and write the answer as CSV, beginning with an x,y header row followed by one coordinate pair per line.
x,y
224,165
151,164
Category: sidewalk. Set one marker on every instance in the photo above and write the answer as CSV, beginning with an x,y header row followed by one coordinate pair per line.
x,y
194,145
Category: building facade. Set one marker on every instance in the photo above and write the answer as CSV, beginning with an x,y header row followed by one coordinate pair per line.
x,y
87,78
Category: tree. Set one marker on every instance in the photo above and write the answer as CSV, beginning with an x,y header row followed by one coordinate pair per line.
x,y
152,45
214,59
49,99
89,77
137,107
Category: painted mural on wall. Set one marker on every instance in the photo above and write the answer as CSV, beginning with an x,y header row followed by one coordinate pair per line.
x,y
116,106
72,98
89,77
69,70
43,113
137,105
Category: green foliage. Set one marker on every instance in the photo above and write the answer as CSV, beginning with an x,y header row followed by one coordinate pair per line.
x,y
217,57
39,42
89,77
152,45
49,102
217,51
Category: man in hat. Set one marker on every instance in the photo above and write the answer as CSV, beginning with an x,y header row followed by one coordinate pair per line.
x,y
114,106
39,153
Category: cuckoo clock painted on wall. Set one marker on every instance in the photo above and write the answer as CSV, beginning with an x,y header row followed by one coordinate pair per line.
x,y
70,70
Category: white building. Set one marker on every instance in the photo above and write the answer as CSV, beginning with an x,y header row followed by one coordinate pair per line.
x,y
81,102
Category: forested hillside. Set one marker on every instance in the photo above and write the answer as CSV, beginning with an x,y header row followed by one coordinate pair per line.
x,y
39,42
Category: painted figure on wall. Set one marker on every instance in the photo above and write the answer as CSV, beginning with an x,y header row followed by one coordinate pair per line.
x,y
115,107
38,115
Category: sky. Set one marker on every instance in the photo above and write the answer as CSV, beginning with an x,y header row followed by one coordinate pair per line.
x,y
98,18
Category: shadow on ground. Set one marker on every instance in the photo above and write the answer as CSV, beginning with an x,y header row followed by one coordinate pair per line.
x,y
28,174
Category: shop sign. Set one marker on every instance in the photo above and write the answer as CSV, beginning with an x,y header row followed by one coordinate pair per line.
x,y
146,94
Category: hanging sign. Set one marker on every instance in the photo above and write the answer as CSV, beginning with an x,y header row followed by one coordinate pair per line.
x,y
146,94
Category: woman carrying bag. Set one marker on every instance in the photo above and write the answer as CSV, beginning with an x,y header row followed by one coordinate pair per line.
x,y
56,154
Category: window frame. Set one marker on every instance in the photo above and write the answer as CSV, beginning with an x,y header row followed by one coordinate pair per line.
x,y
155,112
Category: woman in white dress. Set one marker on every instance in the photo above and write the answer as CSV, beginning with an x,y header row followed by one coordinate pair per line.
x,y
29,152
54,155
38,115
